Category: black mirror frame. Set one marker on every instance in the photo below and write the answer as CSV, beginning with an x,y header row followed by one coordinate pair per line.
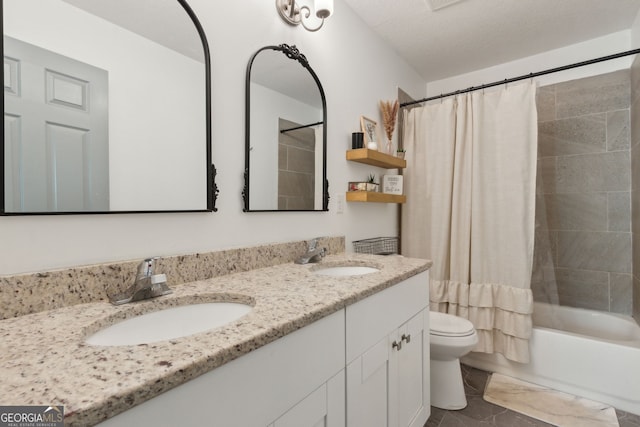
x,y
212,187
293,53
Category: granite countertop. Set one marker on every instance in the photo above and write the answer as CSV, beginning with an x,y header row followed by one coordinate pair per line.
x,y
45,361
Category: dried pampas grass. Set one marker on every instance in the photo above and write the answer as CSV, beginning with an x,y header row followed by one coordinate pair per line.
x,y
389,111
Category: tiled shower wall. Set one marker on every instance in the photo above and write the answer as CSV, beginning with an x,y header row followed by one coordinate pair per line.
x,y
296,167
583,214
635,183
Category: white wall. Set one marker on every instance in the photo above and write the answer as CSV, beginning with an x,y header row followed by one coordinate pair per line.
x,y
602,46
356,69
145,124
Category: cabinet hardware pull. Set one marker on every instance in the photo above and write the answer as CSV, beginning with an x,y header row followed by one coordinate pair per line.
x,y
397,345
407,338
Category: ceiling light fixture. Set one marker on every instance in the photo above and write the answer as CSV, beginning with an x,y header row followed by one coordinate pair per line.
x,y
293,14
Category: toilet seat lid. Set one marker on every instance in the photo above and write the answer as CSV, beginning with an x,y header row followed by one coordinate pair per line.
x,y
449,325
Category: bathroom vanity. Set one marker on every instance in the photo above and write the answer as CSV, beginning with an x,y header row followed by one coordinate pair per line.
x,y
315,350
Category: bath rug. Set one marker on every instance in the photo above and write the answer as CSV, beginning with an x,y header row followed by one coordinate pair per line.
x,y
548,405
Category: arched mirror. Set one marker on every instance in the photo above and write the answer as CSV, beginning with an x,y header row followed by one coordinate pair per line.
x,y
286,133
106,108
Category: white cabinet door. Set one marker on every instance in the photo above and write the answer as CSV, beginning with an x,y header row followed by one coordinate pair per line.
x,y
324,407
409,388
367,385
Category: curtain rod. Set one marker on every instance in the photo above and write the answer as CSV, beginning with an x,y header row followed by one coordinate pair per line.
x,y
524,77
301,127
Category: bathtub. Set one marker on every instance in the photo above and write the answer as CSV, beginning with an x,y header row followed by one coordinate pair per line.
x,y
582,352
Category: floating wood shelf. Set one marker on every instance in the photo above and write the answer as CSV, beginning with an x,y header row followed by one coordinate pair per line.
x,y
375,158
370,196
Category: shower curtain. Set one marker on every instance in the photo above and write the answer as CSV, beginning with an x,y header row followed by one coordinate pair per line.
x,y
470,186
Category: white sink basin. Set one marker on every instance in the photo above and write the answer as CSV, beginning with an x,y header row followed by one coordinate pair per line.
x,y
349,270
169,323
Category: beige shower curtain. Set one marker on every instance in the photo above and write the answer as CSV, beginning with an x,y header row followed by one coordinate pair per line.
x,y
470,186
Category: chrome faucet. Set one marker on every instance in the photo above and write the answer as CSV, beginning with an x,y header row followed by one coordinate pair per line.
x,y
313,254
146,285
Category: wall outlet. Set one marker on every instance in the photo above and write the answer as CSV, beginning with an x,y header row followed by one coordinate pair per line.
x,y
339,198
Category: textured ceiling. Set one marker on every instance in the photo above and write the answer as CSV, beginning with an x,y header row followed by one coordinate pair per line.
x,y
475,34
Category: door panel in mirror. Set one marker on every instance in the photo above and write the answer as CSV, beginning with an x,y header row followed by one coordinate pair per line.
x,y
156,154
285,150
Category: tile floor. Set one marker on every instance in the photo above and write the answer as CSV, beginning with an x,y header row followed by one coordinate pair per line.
x,y
479,413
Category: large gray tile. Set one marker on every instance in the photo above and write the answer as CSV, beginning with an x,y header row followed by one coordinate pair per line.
x,y
283,160
597,94
593,172
635,79
474,380
627,419
480,410
584,289
301,138
635,166
301,160
546,103
547,289
293,184
577,211
636,299
456,419
635,244
576,135
546,175
544,253
594,250
435,419
621,293
634,119
618,130
514,419
619,211
635,212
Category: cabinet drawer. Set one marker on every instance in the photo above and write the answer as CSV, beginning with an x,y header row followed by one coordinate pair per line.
x,y
371,319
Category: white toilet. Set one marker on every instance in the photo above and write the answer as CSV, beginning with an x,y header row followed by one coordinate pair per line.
x,y
451,338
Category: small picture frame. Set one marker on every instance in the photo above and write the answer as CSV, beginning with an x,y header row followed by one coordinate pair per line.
x,y
371,130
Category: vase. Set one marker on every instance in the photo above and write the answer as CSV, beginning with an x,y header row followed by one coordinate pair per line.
x,y
389,147
400,154
371,145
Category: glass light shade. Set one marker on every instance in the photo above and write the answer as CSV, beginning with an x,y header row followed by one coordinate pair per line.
x,y
324,8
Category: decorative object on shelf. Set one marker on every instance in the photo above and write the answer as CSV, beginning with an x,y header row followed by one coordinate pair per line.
x,y
371,132
371,183
389,112
392,184
357,186
357,140
400,152
292,13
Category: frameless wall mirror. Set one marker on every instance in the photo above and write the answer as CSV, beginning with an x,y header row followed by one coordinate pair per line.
x,y
286,142
106,108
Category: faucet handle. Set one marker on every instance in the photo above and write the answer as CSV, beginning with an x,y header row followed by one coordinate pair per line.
x,y
312,244
147,267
